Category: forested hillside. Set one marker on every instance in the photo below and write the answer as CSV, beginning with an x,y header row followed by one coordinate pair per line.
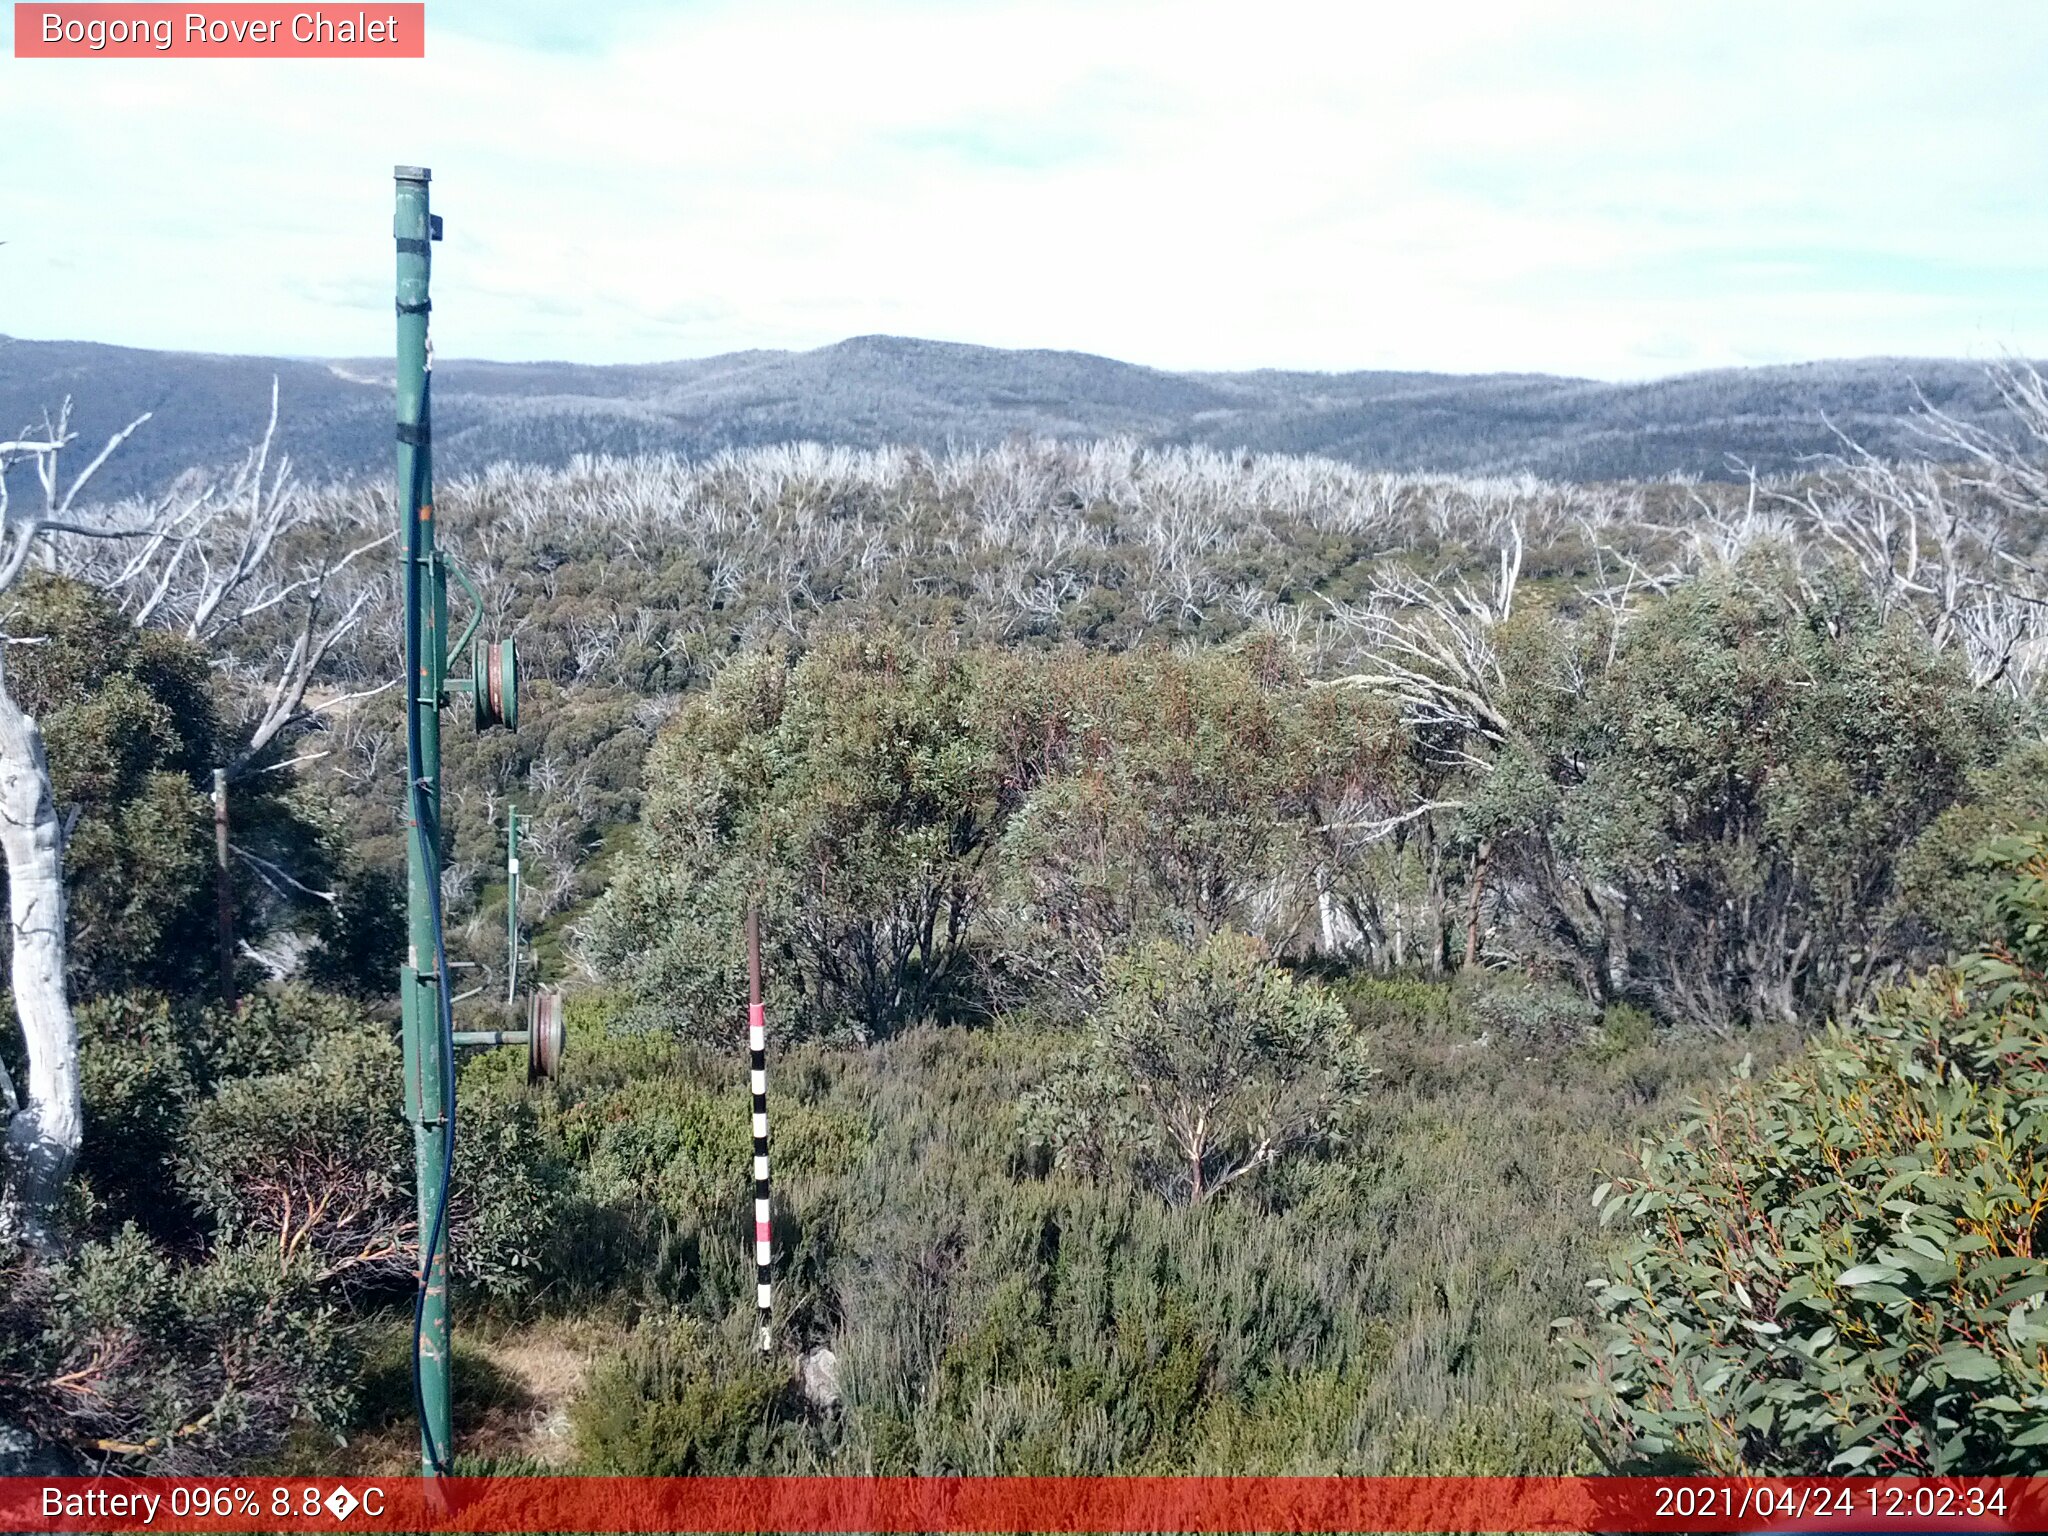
x,y
1275,966
879,391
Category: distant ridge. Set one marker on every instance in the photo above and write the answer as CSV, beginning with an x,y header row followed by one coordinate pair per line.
x,y
871,390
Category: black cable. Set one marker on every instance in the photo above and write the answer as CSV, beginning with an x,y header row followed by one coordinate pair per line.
x,y
427,830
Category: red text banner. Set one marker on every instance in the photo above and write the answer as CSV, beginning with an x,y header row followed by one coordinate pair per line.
x,y
1004,1504
234,31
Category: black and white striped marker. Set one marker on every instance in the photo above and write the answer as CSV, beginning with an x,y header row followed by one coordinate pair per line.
x,y
757,1075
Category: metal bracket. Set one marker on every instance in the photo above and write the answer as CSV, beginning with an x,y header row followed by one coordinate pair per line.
x,y
476,598
425,1089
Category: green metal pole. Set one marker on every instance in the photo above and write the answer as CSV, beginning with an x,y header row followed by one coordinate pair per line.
x,y
426,1047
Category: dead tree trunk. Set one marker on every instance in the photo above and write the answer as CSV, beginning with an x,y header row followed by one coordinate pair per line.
x,y
1472,905
44,1132
223,889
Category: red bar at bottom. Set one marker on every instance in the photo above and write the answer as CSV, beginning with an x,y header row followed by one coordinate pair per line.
x,y
893,1504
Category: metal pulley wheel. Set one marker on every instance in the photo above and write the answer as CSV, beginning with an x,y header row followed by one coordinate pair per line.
x,y
546,1036
495,668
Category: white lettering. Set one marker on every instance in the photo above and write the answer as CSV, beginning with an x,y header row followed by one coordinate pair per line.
x,y
319,27
98,32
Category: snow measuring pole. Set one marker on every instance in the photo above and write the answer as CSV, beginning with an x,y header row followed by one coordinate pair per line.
x,y
424,986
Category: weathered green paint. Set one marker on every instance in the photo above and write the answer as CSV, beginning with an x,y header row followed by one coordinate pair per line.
x,y
429,1066
490,1037
426,1060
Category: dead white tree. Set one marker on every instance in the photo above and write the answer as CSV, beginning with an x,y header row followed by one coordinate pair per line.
x,y
208,560
1428,646
1945,539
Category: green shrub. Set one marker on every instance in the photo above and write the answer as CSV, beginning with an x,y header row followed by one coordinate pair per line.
x,y
317,1162
1523,1013
273,1030
146,1061
363,934
1951,877
1159,794
1623,1028
853,796
1206,1065
654,1141
1840,1268
130,729
137,1080
123,1350
1735,791
1397,1004
681,1401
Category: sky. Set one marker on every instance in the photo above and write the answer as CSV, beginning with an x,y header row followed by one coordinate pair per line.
x,y
1617,191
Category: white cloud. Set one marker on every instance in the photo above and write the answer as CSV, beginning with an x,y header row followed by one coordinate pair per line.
x,y
1613,189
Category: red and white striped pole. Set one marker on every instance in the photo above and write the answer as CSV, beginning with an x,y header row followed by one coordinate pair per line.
x,y
757,1072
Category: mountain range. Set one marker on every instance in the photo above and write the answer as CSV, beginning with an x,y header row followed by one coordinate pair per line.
x,y
869,390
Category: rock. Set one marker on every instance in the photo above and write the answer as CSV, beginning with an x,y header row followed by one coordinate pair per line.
x,y
818,1377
